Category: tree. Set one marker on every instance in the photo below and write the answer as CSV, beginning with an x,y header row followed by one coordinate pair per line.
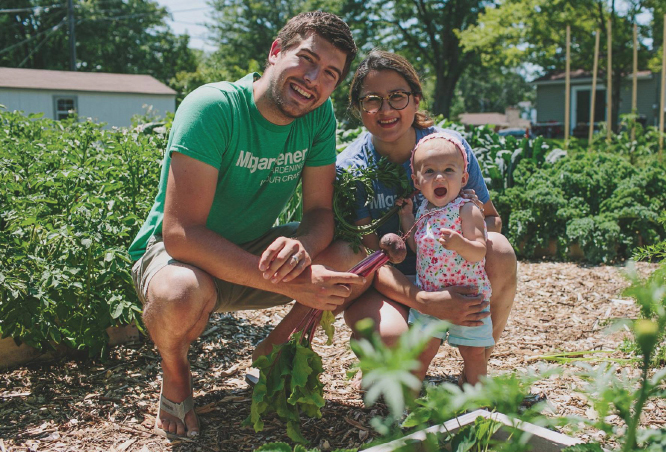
x,y
490,89
520,31
124,36
424,31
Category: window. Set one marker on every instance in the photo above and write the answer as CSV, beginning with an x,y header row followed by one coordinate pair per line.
x,y
63,106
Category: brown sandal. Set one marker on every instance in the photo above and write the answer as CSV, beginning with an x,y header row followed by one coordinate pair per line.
x,y
178,410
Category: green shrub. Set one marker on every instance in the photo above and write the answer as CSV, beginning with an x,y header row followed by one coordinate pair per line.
x,y
73,196
598,201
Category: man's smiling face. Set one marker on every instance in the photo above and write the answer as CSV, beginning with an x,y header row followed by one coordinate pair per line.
x,y
303,76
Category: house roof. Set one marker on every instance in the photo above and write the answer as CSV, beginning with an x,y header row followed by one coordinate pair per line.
x,y
497,119
81,81
479,119
581,74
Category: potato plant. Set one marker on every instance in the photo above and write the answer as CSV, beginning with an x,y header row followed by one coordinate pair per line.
x,y
73,195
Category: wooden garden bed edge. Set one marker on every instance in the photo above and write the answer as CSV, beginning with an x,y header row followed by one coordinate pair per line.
x,y
12,355
543,440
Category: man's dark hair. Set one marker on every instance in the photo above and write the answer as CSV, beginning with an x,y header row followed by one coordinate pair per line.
x,y
328,26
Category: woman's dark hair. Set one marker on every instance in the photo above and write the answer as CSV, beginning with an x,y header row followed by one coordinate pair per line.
x,y
380,60
328,26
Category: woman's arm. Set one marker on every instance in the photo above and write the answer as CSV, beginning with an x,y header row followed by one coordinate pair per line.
x,y
370,241
457,304
492,218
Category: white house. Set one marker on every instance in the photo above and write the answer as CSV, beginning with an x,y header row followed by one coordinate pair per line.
x,y
550,101
109,98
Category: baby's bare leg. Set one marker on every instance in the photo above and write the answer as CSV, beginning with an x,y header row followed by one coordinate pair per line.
x,y
427,356
475,363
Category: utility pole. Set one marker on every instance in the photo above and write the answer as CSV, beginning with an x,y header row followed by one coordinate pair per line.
x,y
567,91
609,83
72,38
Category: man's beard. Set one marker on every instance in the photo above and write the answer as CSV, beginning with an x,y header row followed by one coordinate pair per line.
x,y
281,104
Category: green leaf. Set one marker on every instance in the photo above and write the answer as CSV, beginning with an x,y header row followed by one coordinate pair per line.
x,y
274,447
464,439
301,369
118,311
416,417
294,432
326,322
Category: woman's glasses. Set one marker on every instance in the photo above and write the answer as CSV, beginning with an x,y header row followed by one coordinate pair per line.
x,y
373,103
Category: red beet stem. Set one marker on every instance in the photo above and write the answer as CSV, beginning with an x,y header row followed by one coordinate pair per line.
x,y
368,262
368,265
375,264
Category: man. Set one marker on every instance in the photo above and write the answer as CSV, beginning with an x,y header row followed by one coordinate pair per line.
x,y
235,156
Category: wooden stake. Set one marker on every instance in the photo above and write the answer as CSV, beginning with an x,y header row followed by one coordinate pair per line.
x,y
634,86
567,90
609,83
593,101
663,88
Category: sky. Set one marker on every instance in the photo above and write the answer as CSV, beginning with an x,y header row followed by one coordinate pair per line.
x,y
189,16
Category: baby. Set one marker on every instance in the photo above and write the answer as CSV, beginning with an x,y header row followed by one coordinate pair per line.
x,y
450,242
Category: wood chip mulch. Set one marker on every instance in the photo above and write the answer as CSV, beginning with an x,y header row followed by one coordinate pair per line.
x,y
88,405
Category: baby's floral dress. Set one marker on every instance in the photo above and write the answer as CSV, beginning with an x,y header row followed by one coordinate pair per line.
x,y
438,268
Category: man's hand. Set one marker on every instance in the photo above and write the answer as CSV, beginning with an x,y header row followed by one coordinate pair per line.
x,y
321,288
284,260
459,305
450,239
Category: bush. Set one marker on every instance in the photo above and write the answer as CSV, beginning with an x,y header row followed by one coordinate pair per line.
x,y
73,196
598,201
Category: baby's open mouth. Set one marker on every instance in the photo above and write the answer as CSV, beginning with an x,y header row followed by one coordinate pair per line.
x,y
441,191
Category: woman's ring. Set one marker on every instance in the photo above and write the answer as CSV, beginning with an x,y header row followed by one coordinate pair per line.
x,y
294,259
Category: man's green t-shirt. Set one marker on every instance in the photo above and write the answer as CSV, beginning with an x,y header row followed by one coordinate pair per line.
x,y
259,163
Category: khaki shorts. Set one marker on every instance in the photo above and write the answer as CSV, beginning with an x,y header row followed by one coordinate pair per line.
x,y
230,297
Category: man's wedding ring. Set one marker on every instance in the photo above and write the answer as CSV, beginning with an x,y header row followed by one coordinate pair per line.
x,y
294,259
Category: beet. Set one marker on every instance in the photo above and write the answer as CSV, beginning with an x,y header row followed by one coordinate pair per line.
x,y
394,247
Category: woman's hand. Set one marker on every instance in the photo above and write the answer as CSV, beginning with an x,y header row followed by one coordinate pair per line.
x,y
460,305
406,212
469,193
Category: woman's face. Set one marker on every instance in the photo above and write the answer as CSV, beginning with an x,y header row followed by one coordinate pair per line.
x,y
388,124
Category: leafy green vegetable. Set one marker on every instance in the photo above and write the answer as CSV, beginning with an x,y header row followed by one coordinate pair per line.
x,y
289,375
355,184
73,196
288,385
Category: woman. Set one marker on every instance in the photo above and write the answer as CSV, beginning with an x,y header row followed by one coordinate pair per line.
x,y
386,93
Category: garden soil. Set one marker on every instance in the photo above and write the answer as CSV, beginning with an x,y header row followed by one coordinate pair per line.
x,y
87,405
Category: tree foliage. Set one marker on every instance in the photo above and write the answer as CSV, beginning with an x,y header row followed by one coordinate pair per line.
x,y
426,32
123,36
534,31
490,88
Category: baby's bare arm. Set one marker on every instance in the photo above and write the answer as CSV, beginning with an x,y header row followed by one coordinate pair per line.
x,y
471,244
